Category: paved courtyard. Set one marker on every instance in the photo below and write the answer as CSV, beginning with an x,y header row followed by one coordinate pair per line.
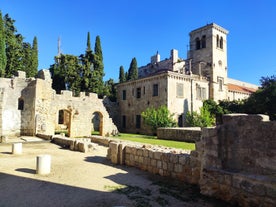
x,y
86,179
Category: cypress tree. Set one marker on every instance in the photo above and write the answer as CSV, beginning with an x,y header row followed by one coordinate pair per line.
x,y
34,59
98,72
122,77
133,70
3,57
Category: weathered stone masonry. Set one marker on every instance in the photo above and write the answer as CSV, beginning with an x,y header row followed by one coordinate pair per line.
x,y
235,161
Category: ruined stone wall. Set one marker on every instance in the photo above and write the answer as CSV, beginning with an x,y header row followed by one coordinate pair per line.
x,y
178,164
185,134
239,160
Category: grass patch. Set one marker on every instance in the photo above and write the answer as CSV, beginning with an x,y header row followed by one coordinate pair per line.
x,y
154,141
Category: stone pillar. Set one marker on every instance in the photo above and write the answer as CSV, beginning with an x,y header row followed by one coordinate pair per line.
x,y
43,164
17,148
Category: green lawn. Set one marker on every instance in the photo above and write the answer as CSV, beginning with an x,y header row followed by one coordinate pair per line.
x,y
154,141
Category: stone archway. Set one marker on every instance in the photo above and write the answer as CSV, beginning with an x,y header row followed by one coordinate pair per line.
x,y
97,123
63,124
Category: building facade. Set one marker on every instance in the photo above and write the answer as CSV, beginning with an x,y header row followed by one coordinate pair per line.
x,y
181,84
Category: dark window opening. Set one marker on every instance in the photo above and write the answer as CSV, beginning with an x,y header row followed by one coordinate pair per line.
x,y
60,117
217,41
197,43
20,104
124,94
203,41
221,43
155,90
138,121
138,92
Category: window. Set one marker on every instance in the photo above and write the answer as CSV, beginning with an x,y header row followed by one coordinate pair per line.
x,y
124,94
124,121
200,93
179,90
60,117
217,41
203,41
197,43
20,104
138,121
220,82
155,90
221,43
138,92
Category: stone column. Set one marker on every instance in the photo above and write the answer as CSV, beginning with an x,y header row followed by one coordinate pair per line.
x,y
17,148
43,164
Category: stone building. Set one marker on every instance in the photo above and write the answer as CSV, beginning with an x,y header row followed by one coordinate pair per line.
x,y
181,84
29,106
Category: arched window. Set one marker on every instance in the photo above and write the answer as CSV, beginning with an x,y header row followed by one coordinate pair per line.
x,y
203,41
20,104
221,43
197,43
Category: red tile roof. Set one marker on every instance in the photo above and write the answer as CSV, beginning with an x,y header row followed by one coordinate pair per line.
x,y
241,89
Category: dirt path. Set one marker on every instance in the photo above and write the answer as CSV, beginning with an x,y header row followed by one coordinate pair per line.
x,y
85,179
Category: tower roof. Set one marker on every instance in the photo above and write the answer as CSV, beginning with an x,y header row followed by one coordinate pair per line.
x,y
211,25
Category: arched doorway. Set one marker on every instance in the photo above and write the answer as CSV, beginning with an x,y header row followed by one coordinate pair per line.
x,y
97,123
63,123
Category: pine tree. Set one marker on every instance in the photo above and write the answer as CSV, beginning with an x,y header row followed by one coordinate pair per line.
x,y
133,70
27,58
14,47
122,77
3,57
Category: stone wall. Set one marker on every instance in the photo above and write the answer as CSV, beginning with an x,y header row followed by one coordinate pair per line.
x,y
175,163
185,134
239,160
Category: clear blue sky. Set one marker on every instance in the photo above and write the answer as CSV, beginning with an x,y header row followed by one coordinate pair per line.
x,y
139,28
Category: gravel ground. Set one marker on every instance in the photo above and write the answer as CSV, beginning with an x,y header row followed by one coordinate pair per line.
x,y
86,179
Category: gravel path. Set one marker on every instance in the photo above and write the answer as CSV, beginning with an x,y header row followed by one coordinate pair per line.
x,y
86,179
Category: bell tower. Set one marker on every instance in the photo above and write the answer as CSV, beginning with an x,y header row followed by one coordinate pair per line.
x,y
208,55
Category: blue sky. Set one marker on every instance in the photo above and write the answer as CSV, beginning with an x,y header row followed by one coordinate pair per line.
x,y
139,28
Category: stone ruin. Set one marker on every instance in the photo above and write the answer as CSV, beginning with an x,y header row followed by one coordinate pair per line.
x,y
29,106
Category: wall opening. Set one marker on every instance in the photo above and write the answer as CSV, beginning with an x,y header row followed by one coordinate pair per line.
x,y
97,124
63,122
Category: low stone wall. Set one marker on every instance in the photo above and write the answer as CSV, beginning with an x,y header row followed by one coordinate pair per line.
x,y
75,144
185,134
239,160
179,164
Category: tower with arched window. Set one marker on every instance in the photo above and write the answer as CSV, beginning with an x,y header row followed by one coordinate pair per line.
x,y
208,55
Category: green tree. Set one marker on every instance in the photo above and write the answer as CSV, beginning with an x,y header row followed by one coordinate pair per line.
x,y
3,57
122,77
160,117
27,58
202,119
98,71
34,59
133,70
87,67
110,89
58,75
14,47
264,99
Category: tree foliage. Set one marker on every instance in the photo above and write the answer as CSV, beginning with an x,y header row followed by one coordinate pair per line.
x,y
122,76
3,57
15,54
133,70
201,119
160,117
263,101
